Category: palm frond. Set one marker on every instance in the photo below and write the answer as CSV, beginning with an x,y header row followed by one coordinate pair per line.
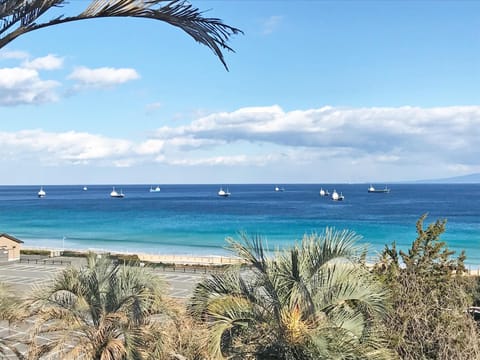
x,y
229,313
95,310
331,245
351,284
313,300
24,13
215,286
251,249
211,32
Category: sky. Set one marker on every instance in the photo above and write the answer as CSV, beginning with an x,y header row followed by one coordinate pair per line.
x,y
316,92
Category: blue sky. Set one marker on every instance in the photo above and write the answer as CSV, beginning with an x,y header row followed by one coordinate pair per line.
x,y
318,91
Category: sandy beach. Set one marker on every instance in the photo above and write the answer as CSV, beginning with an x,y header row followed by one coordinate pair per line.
x,y
178,259
189,259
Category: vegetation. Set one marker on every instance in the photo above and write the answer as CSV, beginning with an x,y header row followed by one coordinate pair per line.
x,y
125,258
315,300
73,253
35,252
430,298
101,311
18,17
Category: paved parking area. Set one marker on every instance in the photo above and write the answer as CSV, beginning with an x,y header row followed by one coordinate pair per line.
x,y
22,277
18,332
15,334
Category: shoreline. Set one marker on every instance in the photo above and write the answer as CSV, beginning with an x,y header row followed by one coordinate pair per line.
x,y
175,259
178,259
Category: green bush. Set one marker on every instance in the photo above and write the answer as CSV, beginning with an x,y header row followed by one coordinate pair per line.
x,y
35,252
430,296
71,253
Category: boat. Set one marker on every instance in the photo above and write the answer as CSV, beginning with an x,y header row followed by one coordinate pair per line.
x,y
279,188
223,193
371,189
157,189
41,192
85,188
116,194
337,197
324,192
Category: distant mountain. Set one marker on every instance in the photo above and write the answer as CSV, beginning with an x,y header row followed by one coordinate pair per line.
x,y
465,179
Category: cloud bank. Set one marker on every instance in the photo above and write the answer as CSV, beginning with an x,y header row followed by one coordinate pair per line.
x,y
335,140
390,133
62,148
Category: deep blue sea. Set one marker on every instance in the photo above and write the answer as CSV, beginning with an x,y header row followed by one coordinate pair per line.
x,y
192,219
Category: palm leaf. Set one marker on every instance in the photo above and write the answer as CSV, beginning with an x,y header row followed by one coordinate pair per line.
x,y
230,313
315,300
20,17
98,311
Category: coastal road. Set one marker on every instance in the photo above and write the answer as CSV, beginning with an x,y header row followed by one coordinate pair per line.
x,y
22,277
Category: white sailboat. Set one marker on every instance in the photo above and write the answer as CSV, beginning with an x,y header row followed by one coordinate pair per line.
x,y
385,190
157,189
116,194
336,196
324,192
223,193
41,193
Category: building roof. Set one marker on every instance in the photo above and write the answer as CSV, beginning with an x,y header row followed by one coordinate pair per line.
x,y
10,237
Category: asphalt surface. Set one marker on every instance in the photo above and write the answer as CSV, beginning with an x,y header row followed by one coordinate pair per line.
x,y
21,277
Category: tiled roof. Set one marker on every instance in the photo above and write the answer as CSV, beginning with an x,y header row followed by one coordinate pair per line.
x,y
10,237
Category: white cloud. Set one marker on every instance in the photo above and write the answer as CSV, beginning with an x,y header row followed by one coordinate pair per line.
x,y
24,86
151,146
62,148
271,24
191,143
235,160
217,160
353,144
13,54
152,107
389,134
49,62
102,77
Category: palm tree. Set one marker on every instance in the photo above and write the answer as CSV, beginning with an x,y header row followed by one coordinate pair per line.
x,y
100,311
315,300
18,17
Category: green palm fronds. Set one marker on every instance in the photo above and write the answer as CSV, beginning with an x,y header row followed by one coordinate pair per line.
x,y
315,300
18,17
101,311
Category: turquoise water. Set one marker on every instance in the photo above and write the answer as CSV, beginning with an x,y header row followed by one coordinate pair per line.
x,y
192,219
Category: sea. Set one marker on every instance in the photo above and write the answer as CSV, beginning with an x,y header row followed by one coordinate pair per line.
x,y
194,220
